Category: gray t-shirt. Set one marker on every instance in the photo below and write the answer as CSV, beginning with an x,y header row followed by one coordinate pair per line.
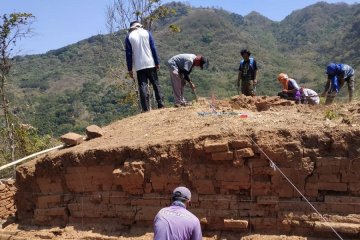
x,y
182,62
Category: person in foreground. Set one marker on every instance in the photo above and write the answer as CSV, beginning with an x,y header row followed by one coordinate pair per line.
x,y
180,67
338,74
175,221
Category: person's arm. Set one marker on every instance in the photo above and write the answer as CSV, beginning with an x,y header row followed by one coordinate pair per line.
x,y
327,87
255,72
153,51
129,57
238,82
296,86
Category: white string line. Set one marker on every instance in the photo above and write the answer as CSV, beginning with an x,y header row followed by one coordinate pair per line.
x,y
30,156
272,164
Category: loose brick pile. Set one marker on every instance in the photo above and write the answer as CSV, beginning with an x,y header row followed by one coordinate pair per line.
x,y
234,187
7,193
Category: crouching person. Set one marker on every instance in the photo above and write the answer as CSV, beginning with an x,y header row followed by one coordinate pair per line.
x,y
291,90
176,222
309,96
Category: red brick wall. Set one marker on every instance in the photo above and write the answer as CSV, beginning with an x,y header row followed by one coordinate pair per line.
x,y
7,205
233,186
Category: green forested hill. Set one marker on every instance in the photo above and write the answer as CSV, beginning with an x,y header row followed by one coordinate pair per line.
x,y
80,84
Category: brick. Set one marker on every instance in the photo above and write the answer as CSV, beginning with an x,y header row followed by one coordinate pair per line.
x,y
76,171
222,156
146,202
131,182
263,223
241,175
59,211
238,144
258,163
325,161
204,186
347,228
326,170
341,199
146,213
329,178
94,131
212,147
354,187
44,201
160,181
339,187
245,152
311,190
119,198
228,185
48,185
235,224
71,139
263,170
267,200
350,177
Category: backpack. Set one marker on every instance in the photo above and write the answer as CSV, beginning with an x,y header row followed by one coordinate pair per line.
x,y
251,62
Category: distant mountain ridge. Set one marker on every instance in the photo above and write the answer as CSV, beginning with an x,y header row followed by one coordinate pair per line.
x,y
300,45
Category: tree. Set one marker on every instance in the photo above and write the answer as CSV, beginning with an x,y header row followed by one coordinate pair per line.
x,y
12,28
122,12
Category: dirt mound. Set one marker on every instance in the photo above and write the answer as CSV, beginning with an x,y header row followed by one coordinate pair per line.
x,y
258,103
116,183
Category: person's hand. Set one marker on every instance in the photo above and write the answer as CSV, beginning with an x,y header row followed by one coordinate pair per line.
x,y
131,74
323,94
192,85
255,82
285,90
158,67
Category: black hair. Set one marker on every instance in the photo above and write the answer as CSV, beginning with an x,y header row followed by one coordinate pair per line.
x,y
245,51
136,21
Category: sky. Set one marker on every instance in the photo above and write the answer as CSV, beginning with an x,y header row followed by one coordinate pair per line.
x,y
63,22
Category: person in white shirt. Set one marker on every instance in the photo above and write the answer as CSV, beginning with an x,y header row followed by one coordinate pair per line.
x,y
142,55
309,96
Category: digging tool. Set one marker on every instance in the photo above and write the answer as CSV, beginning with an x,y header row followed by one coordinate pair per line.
x,y
137,94
194,92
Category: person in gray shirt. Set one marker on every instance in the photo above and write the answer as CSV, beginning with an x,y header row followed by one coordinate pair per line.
x,y
180,67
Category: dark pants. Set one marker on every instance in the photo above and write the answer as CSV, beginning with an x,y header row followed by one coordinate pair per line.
x,y
288,96
332,93
143,75
247,87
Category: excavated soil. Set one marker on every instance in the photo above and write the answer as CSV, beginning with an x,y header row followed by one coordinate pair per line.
x,y
257,118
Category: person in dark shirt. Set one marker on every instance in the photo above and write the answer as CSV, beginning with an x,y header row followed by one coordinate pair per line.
x,y
247,74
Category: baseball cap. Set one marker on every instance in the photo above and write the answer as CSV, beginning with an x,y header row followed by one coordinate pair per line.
x,y
135,24
181,193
